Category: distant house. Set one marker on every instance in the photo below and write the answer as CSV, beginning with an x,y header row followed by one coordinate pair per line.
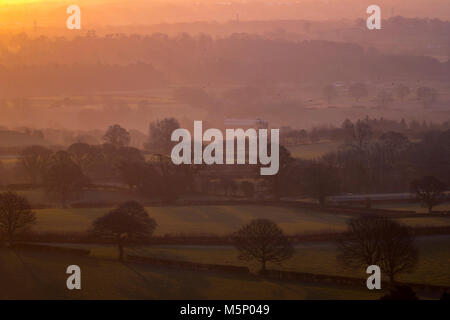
x,y
339,84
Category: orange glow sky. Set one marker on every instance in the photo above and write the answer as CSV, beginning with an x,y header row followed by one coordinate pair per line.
x,y
51,13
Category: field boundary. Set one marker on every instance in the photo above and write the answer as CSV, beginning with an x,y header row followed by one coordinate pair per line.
x,y
342,210
232,269
276,274
87,238
304,276
53,249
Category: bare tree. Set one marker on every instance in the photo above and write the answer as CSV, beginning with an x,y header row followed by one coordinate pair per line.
x,y
429,191
160,136
64,178
129,221
372,240
117,136
393,144
398,252
359,246
15,214
320,180
81,154
262,240
34,160
277,182
358,134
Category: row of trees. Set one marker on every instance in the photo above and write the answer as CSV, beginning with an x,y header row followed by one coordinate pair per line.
x,y
347,171
413,130
127,222
373,240
60,175
65,173
366,163
261,239
369,240
425,95
193,60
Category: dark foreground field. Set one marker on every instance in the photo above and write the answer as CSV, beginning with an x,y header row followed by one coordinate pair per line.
x,y
33,275
309,257
28,274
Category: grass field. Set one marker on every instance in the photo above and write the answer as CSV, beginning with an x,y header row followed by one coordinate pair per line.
x,y
213,220
319,258
32,275
199,220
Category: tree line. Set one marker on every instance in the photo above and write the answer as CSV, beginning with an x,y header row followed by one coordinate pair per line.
x,y
156,59
368,161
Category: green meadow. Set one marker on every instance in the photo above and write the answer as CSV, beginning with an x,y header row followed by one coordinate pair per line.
x,y
214,220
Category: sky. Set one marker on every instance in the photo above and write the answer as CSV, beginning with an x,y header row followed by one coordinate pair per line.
x,y
51,13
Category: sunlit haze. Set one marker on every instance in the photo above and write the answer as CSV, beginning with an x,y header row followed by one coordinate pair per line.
x,y
18,14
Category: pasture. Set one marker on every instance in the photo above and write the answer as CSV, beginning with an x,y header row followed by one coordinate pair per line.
x,y
214,219
37,275
198,220
318,258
